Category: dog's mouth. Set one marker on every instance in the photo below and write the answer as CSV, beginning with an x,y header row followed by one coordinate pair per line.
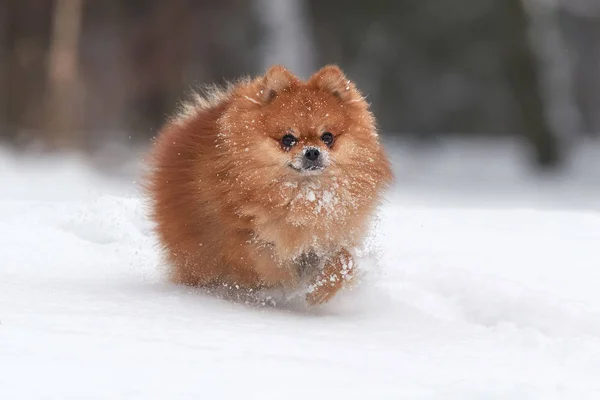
x,y
307,169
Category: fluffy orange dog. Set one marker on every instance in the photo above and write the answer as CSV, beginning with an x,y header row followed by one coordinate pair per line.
x,y
268,183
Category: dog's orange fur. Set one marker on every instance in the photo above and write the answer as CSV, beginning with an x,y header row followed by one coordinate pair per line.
x,y
228,208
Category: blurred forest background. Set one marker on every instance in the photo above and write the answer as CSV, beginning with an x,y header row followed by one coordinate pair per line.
x,y
81,74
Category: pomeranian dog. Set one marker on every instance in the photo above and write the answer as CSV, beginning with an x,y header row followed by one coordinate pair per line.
x,y
269,182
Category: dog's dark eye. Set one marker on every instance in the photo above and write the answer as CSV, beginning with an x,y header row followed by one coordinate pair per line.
x,y
288,141
327,138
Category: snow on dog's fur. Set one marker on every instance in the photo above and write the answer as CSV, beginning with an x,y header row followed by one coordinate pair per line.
x,y
268,182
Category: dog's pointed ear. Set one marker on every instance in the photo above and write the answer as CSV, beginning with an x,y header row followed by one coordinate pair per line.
x,y
277,79
331,79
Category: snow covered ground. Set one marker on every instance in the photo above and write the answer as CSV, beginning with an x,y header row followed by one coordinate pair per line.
x,y
484,285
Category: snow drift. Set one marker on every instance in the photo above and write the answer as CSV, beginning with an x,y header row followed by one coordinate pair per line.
x,y
455,303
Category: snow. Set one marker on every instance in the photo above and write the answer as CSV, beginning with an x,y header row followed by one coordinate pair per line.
x,y
483,284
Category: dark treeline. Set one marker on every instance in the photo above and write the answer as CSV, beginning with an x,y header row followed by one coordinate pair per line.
x,y
78,73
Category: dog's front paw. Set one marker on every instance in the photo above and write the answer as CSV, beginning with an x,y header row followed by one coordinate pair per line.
x,y
334,276
321,292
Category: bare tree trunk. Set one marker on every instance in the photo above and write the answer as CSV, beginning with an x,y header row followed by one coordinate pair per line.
x,y
525,84
287,35
3,69
62,101
556,69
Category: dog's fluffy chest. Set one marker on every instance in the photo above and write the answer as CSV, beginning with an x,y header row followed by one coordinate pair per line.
x,y
313,203
315,216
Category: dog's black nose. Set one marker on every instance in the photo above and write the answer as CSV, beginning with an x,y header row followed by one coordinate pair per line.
x,y
312,153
